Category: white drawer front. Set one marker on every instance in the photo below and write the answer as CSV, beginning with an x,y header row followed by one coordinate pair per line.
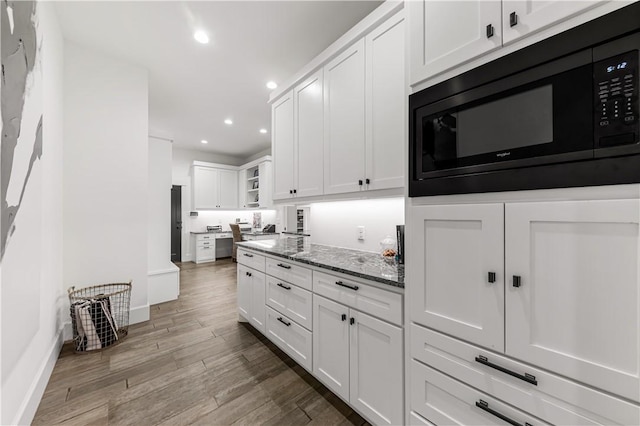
x,y
372,300
552,398
251,259
206,243
205,253
290,337
204,237
290,300
445,401
290,272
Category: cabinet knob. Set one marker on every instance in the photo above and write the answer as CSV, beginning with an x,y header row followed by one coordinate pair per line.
x,y
489,31
352,321
517,281
491,277
344,317
367,181
295,191
291,191
360,182
513,19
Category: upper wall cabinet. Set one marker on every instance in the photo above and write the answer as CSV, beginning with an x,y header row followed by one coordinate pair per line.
x,y
342,127
255,185
364,113
385,105
522,17
214,188
344,111
297,147
445,34
283,146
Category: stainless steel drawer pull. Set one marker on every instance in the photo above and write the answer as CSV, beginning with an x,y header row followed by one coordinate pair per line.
x,y
352,287
525,377
284,266
483,405
248,255
288,324
283,286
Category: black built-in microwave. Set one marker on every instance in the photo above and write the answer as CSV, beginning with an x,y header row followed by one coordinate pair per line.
x,y
560,113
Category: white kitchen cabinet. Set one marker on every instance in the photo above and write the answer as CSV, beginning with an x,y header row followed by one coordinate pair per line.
x,y
251,296
290,300
385,105
293,339
344,121
376,369
460,247
214,188
205,248
256,185
522,17
331,345
573,290
308,123
283,146
444,34
244,292
359,358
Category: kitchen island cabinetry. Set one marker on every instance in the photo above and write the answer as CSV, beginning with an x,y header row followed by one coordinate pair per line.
x,y
346,330
543,318
251,289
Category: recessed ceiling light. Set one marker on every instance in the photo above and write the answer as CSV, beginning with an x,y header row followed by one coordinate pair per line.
x,y
203,141
263,130
228,121
271,85
201,37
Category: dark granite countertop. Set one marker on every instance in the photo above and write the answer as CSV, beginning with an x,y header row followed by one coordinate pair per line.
x,y
367,265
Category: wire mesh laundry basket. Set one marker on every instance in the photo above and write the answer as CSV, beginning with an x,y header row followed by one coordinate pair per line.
x,y
99,315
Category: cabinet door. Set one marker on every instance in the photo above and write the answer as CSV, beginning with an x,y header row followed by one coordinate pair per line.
x,y
205,188
344,122
385,106
376,369
455,248
444,34
308,119
283,155
534,15
244,292
576,310
331,345
228,189
257,314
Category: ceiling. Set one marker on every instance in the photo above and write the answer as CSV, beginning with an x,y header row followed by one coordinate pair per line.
x,y
194,87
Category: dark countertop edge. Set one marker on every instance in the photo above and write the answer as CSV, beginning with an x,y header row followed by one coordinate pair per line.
x,y
381,280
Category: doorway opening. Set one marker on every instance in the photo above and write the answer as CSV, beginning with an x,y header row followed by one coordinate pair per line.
x,y
176,223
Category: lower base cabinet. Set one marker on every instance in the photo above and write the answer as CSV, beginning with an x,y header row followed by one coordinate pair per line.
x,y
251,296
359,357
445,401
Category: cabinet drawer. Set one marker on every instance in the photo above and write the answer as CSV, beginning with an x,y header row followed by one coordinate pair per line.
x,y
552,398
372,300
250,259
223,235
205,253
290,272
204,237
290,337
442,400
290,300
206,243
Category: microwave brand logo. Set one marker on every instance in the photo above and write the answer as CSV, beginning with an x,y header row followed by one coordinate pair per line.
x,y
503,154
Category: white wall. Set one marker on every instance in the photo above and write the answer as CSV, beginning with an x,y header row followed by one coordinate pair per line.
x,y
105,173
32,264
334,223
164,276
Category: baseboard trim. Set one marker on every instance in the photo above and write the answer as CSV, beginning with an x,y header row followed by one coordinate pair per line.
x,y
30,405
139,314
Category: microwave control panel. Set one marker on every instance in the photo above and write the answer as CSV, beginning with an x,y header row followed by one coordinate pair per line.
x,y
616,100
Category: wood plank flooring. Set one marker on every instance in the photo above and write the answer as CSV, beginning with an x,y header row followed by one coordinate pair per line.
x,y
191,363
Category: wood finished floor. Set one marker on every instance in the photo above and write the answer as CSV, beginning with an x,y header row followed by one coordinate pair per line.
x,y
191,363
